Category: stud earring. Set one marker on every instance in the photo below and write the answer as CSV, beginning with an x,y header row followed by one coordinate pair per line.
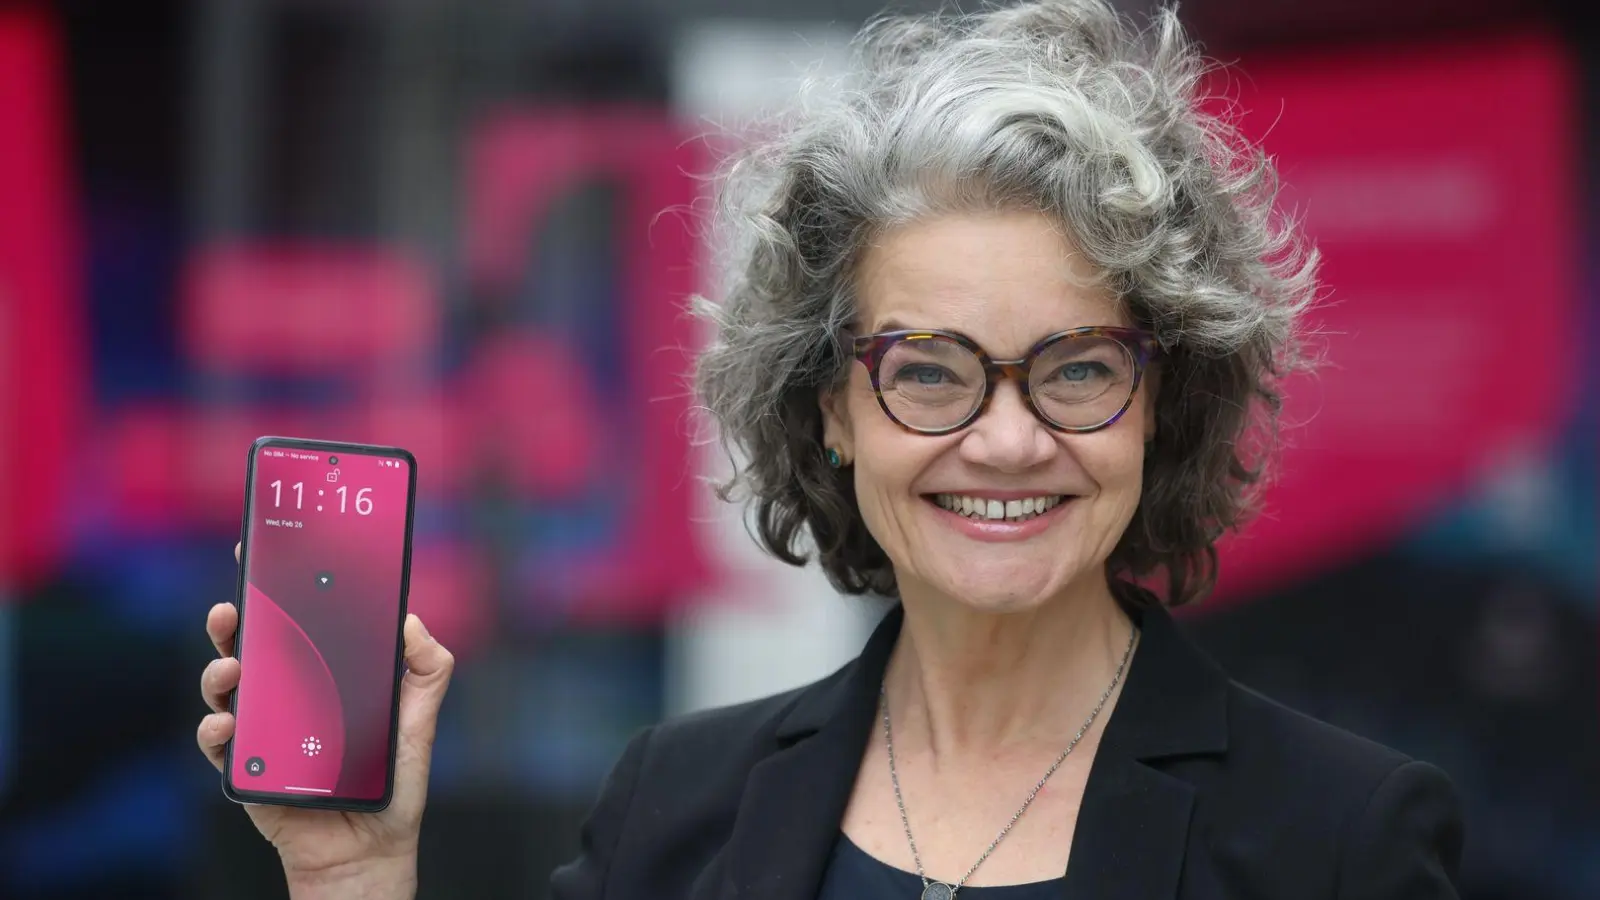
x,y
834,459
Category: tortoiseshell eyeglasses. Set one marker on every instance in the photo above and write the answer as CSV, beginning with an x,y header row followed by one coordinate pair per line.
x,y
937,382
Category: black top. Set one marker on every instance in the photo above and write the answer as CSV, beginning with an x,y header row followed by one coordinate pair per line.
x,y
1199,789
854,875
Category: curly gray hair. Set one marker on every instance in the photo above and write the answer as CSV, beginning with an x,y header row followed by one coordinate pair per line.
x,y
1058,106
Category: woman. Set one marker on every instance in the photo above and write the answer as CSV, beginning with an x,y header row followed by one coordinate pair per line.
x,y
1005,314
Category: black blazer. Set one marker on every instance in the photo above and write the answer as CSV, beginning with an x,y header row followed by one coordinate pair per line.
x,y
1200,789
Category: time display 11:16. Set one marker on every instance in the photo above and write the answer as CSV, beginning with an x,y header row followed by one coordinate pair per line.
x,y
363,502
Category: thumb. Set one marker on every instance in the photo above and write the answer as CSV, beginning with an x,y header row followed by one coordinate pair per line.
x,y
426,658
428,669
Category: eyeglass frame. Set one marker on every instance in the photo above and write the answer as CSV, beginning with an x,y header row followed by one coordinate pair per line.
x,y
1140,345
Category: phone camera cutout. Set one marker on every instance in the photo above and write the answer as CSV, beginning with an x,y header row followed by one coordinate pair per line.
x,y
333,460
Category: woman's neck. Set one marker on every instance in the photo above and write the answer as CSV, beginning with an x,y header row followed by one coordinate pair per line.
x,y
963,682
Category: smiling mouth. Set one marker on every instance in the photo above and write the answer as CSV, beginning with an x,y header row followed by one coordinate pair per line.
x,y
990,510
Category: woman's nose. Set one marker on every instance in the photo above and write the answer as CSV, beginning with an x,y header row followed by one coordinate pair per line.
x,y
1007,436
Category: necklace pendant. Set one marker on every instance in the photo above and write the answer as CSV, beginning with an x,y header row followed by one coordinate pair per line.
x,y
938,890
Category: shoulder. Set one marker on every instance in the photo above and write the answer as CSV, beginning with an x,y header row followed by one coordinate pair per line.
x,y
1277,743
1390,825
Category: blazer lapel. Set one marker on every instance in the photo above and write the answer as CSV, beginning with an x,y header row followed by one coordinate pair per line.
x,y
1133,826
794,800
1131,833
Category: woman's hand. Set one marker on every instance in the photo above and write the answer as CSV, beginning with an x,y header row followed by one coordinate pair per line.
x,y
326,853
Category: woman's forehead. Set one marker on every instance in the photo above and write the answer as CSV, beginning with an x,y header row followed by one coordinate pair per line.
x,y
988,276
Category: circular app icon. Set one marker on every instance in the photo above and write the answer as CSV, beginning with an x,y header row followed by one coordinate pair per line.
x,y
255,765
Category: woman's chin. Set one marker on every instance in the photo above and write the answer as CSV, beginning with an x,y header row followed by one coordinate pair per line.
x,y
1000,593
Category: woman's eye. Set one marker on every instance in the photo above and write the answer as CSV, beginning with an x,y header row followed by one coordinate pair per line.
x,y
1081,371
925,375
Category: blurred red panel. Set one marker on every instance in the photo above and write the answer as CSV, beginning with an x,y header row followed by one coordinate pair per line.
x,y
145,447
452,593
179,466
182,466
524,414
1439,182
520,162
43,363
307,308
416,419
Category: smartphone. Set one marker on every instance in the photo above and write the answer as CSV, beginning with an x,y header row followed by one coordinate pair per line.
x,y
323,574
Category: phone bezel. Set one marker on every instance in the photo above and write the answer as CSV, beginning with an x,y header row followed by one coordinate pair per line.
x,y
343,804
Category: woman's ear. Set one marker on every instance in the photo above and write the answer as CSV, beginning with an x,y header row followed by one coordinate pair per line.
x,y
1151,391
837,433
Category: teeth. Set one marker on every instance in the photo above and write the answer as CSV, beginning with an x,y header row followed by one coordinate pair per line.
x,y
996,510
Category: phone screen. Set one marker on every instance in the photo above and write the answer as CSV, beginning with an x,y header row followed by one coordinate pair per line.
x,y
324,575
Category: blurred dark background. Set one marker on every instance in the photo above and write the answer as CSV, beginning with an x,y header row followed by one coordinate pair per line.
x,y
434,224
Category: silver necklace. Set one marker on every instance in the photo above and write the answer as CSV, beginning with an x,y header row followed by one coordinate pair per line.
x,y
938,890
